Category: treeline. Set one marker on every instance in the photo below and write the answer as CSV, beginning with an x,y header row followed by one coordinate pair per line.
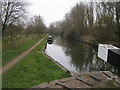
x,y
15,19
35,25
92,22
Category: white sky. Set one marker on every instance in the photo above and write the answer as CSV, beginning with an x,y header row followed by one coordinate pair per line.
x,y
51,10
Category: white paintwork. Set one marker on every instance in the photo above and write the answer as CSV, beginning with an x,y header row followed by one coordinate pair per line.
x,y
103,50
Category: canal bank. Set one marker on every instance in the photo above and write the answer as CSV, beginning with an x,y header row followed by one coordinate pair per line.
x,y
94,42
32,70
57,63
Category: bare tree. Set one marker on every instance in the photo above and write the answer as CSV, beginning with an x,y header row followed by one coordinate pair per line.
x,y
51,28
11,12
36,25
118,19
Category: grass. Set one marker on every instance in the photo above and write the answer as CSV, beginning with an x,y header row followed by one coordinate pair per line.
x,y
34,69
110,84
10,54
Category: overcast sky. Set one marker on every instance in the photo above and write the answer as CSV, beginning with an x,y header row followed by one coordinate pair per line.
x,y
51,10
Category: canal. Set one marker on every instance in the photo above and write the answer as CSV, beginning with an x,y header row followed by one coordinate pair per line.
x,y
77,56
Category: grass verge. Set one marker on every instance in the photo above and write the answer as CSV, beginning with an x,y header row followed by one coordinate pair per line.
x,y
10,54
34,69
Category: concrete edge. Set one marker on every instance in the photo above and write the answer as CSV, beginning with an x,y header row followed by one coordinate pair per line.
x,y
57,63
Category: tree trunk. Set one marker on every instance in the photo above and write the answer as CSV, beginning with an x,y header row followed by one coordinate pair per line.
x,y
117,19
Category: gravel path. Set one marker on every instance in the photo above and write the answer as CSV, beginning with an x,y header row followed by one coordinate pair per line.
x,y
18,58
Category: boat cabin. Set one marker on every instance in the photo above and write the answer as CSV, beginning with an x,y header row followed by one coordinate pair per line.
x,y
49,40
110,54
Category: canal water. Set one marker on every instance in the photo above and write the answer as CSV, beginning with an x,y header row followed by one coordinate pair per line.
x,y
77,56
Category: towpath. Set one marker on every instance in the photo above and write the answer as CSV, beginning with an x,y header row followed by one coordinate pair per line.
x,y
18,58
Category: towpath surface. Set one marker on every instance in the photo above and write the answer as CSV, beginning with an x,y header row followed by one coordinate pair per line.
x,y
18,58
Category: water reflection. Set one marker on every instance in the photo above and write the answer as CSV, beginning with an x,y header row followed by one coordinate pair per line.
x,y
77,56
